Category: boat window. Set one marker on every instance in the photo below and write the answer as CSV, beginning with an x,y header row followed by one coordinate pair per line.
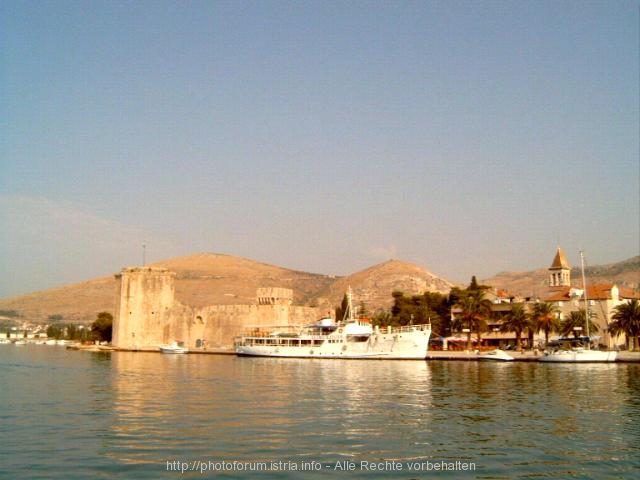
x,y
357,338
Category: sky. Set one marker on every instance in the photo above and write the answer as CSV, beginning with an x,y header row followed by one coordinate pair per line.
x,y
467,137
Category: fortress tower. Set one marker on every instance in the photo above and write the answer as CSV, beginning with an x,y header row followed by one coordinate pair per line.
x,y
148,315
144,298
275,296
560,271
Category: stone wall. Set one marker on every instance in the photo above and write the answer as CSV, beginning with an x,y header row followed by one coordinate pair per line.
x,y
145,299
147,314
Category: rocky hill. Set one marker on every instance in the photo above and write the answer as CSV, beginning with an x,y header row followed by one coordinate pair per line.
x,y
374,285
77,303
214,279
534,283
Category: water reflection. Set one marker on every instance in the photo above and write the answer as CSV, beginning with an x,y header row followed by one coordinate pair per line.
x,y
126,415
264,409
558,419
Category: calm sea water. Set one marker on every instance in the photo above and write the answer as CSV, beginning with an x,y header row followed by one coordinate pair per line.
x,y
68,414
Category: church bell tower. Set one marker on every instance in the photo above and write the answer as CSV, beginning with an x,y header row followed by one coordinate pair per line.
x,y
560,271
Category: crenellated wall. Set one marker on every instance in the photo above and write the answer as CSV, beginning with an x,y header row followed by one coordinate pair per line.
x,y
147,314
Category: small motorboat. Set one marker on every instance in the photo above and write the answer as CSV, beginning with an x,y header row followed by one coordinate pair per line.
x,y
174,347
497,354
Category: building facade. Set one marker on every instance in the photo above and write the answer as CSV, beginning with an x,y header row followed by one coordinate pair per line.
x,y
600,300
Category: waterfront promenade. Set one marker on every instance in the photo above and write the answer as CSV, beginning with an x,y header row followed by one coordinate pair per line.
x,y
524,356
441,355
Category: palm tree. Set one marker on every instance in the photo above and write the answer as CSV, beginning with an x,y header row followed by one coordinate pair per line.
x,y
575,323
475,310
544,317
626,319
516,321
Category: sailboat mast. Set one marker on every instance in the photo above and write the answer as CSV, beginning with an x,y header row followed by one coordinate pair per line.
x,y
586,300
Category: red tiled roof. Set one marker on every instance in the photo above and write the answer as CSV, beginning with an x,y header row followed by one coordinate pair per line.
x,y
600,291
558,294
626,292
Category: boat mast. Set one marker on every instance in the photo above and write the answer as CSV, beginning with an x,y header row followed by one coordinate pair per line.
x,y
586,300
348,315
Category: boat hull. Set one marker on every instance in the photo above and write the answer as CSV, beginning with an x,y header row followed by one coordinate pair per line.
x,y
173,349
496,356
410,345
579,356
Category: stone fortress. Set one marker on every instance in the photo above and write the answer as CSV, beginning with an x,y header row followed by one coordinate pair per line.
x,y
148,315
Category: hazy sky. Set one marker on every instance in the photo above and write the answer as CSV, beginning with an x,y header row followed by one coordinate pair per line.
x,y
327,136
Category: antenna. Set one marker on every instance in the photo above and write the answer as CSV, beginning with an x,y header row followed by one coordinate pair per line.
x,y
144,253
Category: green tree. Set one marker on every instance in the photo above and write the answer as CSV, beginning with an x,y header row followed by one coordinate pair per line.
x,y
626,319
55,331
474,285
439,312
516,321
475,310
575,324
382,318
416,309
102,327
544,317
455,295
341,310
72,331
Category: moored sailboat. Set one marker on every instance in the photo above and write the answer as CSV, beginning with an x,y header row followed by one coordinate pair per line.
x,y
580,354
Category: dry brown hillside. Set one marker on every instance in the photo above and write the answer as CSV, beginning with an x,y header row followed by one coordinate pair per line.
x,y
210,279
77,303
213,279
534,283
374,285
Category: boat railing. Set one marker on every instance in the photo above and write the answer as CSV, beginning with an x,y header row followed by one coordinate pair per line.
x,y
275,331
406,328
276,341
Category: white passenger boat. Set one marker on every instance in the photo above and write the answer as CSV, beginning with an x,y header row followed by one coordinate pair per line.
x,y
496,355
350,338
4,341
173,347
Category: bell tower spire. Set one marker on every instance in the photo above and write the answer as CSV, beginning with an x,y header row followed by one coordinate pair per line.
x,y
560,271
